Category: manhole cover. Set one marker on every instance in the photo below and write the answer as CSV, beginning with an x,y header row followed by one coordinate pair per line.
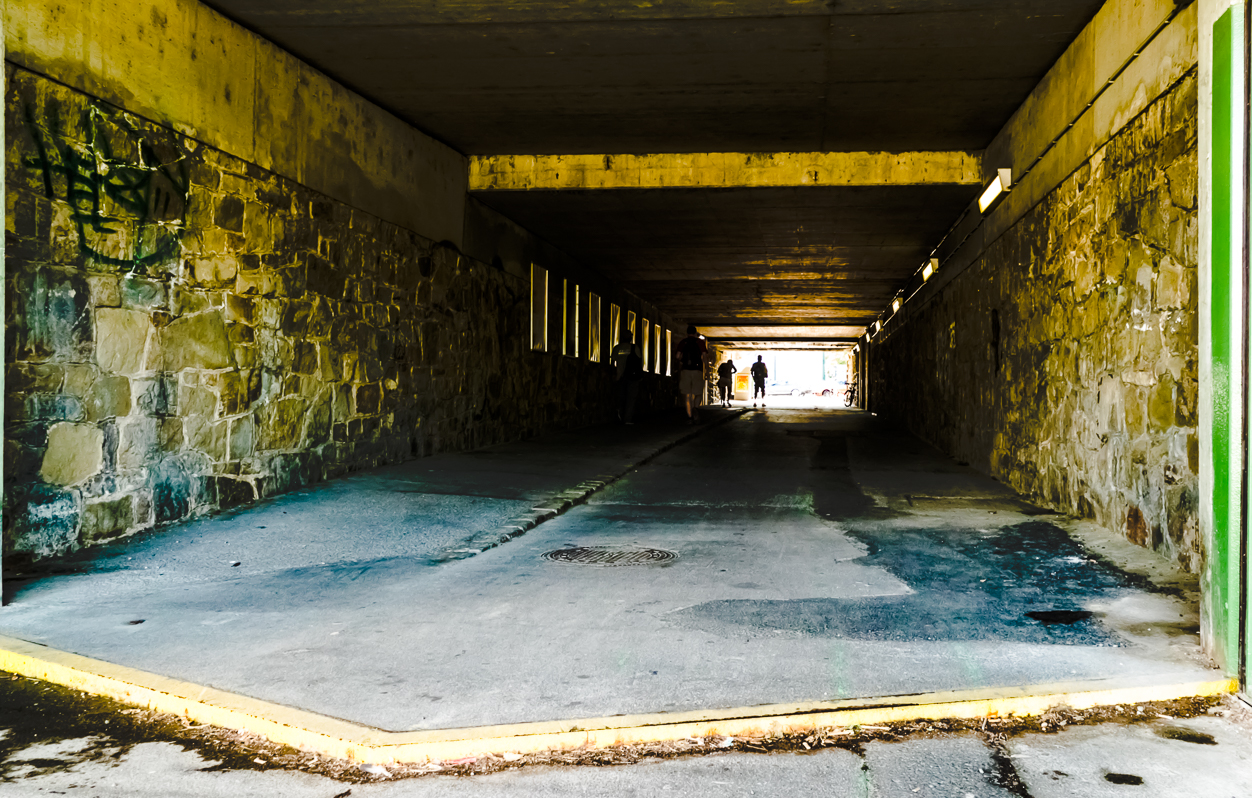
x,y
608,556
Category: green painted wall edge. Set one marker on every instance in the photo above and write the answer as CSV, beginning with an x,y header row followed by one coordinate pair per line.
x,y
1225,345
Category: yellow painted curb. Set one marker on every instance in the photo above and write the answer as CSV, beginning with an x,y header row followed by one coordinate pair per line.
x,y
343,739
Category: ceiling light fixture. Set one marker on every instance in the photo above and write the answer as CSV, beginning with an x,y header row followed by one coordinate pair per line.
x,y
930,268
895,305
999,185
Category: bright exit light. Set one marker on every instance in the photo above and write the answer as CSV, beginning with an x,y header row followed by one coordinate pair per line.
x,y
998,186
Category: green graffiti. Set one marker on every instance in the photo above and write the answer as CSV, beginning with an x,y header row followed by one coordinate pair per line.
x,y
129,213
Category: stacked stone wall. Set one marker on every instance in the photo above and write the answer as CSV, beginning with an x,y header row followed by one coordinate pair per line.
x,y
1064,360
187,332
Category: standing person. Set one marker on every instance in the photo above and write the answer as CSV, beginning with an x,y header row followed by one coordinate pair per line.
x,y
759,373
690,356
725,373
628,359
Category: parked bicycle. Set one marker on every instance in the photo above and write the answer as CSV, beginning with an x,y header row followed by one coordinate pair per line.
x,y
849,396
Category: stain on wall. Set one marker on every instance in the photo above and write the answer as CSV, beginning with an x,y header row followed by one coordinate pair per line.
x,y
187,332
1064,360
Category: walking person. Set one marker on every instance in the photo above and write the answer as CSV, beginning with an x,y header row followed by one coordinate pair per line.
x,y
628,359
725,374
690,354
759,373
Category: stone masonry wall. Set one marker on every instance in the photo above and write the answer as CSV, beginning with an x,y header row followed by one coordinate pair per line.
x,y
1064,361
187,332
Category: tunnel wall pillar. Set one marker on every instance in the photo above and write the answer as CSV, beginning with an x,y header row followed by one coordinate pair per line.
x,y
1223,329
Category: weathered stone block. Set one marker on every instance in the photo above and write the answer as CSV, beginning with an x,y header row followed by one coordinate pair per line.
x,y
172,490
232,393
206,436
242,430
45,521
196,342
50,407
123,338
105,290
142,294
281,423
109,397
1161,405
138,442
215,271
157,396
229,214
107,519
229,492
239,309
57,324
75,452
367,399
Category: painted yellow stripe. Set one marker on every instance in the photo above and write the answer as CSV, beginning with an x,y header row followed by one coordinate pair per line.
x,y
338,738
723,170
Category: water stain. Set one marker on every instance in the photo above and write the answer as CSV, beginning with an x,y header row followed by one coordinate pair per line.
x,y
1122,778
968,584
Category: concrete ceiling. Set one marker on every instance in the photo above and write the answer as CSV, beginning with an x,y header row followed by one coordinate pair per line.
x,y
620,76
728,257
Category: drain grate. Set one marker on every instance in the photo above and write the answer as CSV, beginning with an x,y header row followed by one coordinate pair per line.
x,y
608,556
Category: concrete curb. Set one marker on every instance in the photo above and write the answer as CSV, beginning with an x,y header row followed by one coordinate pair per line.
x,y
563,501
342,739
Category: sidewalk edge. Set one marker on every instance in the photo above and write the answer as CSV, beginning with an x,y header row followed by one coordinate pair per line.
x,y
347,740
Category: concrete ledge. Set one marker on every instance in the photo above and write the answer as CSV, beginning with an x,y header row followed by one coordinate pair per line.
x,y
723,170
346,740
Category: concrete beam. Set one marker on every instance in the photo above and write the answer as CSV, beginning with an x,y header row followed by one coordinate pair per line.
x,y
723,170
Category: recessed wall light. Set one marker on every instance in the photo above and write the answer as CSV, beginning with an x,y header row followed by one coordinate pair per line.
x,y
930,268
999,185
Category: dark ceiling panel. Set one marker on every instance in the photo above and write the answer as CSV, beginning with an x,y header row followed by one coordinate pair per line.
x,y
819,255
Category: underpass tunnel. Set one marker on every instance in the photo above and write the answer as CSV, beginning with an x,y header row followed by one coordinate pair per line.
x,y
252,247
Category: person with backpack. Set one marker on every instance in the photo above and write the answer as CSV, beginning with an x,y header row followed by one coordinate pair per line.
x,y
725,373
690,354
628,359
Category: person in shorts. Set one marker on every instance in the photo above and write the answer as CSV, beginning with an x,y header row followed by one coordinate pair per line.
x,y
759,373
689,355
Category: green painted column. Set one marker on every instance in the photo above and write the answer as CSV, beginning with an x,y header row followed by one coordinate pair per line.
x,y
4,84
1225,339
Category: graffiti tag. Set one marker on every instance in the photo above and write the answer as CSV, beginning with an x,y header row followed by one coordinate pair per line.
x,y
128,214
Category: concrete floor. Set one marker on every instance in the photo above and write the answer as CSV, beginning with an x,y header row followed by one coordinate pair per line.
x,y
818,555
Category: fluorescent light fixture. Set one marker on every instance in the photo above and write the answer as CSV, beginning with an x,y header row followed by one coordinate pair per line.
x,y
930,268
895,305
999,185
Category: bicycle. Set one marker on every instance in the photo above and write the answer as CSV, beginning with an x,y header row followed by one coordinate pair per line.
x,y
849,396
